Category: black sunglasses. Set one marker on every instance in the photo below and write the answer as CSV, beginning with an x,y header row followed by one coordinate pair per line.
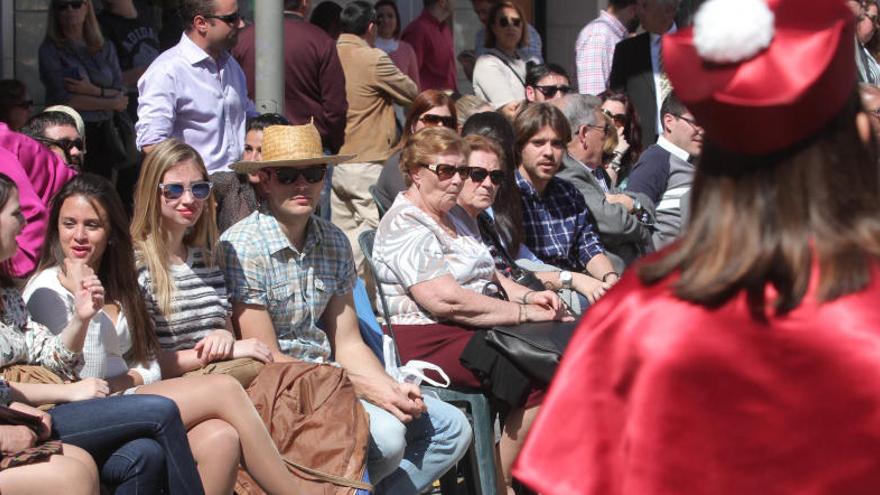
x,y
509,21
550,91
618,118
478,175
199,190
65,144
75,4
429,119
289,175
231,19
445,171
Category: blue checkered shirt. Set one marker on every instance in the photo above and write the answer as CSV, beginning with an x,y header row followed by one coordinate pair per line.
x,y
264,269
559,228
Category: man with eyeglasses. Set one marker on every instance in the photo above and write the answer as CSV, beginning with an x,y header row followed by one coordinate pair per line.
x,y
545,82
621,220
665,171
560,230
196,91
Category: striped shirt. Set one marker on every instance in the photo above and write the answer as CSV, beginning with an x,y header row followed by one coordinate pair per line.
x,y
199,304
594,52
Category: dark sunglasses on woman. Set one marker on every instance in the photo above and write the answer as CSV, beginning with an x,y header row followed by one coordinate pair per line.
x,y
175,190
63,5
509,21
445,171
433,120
289,175
478,175
618,118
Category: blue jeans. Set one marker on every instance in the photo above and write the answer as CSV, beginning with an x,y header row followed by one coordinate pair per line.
x,y
407,458
138,442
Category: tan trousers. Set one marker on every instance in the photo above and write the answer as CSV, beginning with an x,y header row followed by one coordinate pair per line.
x,y
353,209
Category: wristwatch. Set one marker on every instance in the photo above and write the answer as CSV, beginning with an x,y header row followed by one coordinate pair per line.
x,y
565,279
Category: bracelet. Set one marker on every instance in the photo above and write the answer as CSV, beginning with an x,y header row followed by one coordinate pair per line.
x,y
521,315
525,297
604,277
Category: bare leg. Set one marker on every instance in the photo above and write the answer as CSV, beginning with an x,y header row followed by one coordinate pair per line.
x,y
215,446
201,398
516,426
74,473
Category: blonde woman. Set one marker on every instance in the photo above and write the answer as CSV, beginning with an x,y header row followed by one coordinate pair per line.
x,y
80,70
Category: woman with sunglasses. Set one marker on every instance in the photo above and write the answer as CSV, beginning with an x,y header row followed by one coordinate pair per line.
x,y
500,73
79,69
388,39
617,106
440,282
431,108
16,104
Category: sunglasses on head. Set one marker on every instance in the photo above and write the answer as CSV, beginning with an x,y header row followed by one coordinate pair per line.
x,y
618,118
75,4
199,190
550,91
231,19
289,175
478,175
429,119
505,21
446,171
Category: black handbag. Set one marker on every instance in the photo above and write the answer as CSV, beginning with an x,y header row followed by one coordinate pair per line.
x,y
534,348
519,275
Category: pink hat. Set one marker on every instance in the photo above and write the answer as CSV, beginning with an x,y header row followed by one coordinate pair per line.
x,y
761,75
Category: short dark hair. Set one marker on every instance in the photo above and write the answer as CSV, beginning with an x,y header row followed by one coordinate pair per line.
x,y
189,9
393,5
356,17
536,72
428,3
12,93
263,121
672,105
621,4
535,116
36,126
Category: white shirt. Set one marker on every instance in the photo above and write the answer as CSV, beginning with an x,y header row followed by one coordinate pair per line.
x,y
672,148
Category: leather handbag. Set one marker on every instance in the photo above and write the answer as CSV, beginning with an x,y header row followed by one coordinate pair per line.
x,y
534,348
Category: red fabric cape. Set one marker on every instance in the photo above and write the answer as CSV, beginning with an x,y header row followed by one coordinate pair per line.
x,y
660,396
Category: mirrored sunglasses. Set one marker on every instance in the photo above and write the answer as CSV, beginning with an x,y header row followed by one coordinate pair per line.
x,y
199,190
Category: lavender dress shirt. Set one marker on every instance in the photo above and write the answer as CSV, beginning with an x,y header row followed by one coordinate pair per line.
x,y
188,95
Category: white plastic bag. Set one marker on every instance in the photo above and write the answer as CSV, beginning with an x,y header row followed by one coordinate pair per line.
x,y
411,372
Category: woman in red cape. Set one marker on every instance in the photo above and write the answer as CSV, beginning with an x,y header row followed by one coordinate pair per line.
x,y
745,358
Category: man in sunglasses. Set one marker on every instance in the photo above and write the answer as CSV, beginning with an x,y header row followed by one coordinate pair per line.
x,y
291,276
619,216
57,131
196,91
545,82
559,227
665,171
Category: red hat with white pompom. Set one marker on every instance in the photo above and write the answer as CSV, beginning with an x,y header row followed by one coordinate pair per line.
x,y
761,75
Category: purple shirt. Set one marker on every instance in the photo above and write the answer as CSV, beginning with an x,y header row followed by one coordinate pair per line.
x,y
188,95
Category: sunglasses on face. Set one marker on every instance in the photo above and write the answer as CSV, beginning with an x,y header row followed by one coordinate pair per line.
x,y
76,4
65,144
446,171
550,91
509,21
199,190
432,120
478,175
289,175
231,19
618,118
25,104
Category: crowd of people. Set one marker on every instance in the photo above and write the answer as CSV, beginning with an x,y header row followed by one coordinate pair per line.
x,y
179,272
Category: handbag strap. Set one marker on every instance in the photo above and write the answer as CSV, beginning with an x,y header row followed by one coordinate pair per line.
x,y
505,62
487,227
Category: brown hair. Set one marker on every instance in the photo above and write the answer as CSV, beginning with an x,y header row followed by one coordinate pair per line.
x,y
477,142
494,13
423,146
534,118
426,100
393,5
760,220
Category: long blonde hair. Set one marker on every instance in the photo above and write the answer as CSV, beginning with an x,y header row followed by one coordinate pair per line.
x,y
146,226
91,29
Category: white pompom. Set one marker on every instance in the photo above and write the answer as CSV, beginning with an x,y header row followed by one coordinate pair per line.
x,y
728,31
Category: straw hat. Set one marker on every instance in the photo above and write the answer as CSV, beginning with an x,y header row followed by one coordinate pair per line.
x,y
290,146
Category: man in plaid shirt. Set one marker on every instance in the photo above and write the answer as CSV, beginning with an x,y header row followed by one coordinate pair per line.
x,y
594,49
559,228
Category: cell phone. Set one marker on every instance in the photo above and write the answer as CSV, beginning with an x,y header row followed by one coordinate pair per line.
x,y
71,72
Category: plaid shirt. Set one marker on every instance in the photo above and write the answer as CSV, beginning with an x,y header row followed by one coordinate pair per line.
x,y
264,269
594,52
559,228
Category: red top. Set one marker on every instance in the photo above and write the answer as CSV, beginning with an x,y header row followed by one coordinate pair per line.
x,y
660,396
435,51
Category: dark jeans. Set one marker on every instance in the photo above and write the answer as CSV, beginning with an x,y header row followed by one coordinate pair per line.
x,y
135,440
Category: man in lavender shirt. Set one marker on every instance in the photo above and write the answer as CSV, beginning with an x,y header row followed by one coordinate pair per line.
x,y
196,91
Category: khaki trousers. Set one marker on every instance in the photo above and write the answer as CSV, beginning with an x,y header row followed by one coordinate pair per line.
x,y
353,209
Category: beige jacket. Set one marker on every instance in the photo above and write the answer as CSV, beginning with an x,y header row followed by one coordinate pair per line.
x,y
372,84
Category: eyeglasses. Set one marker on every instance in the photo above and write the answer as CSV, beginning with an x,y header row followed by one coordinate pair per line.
x,y
618,118
289,175
432,120
65,144
603,128
199,190
509,21
445,171
232,19
691,122
478,175
550,91
75,5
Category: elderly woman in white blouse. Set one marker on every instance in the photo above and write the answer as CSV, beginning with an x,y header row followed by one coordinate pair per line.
x,y
441,284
